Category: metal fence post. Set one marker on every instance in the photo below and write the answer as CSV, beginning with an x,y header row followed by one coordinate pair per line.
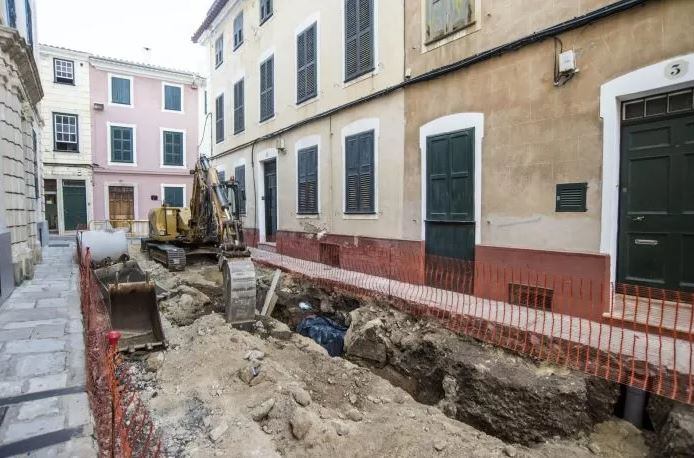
x,y
113,338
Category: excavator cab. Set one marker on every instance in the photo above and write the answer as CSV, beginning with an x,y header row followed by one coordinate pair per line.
x,y
213,229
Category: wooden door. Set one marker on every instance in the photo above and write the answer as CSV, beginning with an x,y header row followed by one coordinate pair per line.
x,y
121,205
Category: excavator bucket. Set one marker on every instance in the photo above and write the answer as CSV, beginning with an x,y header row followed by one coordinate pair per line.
x,y
131,300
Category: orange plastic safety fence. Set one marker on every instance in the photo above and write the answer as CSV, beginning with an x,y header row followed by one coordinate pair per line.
x,y
124,427
635,335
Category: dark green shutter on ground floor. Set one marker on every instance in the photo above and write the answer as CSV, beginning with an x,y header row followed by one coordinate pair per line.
x,y
450,217
74,204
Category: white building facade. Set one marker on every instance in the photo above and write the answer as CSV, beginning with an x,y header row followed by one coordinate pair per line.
x,y
66,152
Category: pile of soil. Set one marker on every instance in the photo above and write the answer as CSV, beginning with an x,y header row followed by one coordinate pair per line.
x,y
218,391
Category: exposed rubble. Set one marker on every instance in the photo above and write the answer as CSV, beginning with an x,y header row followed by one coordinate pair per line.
x,y
218,391
504,395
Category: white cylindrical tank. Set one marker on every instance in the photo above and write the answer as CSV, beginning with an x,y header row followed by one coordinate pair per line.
x,y
104,244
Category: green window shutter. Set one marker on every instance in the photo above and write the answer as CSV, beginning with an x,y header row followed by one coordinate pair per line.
x,y
238,30
351,40
352,174
219,51
265,10
172,98
240,176
306,60
173,196
11,14
29,23
173,148
359,38
301,67
239,116
219,118
121,144
120,90
307,197
359,168
267,98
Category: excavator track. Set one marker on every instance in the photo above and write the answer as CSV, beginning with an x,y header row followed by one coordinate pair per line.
x,y
172,257
239,291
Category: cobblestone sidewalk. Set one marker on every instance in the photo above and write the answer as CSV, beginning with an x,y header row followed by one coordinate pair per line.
x,y
44,410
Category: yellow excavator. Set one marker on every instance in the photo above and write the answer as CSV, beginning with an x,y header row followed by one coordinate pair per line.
x,y
211,227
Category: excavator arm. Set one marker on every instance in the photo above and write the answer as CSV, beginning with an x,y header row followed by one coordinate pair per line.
x,y
214,206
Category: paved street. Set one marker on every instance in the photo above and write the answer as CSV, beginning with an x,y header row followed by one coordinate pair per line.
x,y
44,409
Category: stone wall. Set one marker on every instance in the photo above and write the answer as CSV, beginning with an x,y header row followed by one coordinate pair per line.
x,y
21,208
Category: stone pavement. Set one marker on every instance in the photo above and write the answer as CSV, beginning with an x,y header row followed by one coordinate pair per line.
x,y
44,409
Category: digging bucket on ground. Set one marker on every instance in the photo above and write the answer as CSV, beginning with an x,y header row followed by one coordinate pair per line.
x,y
131,300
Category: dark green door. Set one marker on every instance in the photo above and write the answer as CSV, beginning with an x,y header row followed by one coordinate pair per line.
x,y
74,204
450,216
656,225
270,171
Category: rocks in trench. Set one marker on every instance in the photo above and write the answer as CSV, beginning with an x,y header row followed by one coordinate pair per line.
x,y
674,426
501,394
301,397
155,361
218,431
301,423
367,339
262,410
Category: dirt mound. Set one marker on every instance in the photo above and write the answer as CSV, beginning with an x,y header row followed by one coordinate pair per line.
x,y
499,393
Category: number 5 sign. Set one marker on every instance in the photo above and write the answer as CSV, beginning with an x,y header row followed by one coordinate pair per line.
x,y
676,69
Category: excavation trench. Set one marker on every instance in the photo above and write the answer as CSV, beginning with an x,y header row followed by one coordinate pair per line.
x,y
504,395
501,394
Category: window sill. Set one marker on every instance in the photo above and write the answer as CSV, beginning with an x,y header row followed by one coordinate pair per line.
x,y
267,120
124,105
307,101
237,47
360,77
242,131
124,164
308,216
71,151
360,216
164,110
218,65
65,83
267,18
164,166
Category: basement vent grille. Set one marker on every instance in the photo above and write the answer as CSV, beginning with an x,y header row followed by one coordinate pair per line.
x,y
571,197
330,254
530,296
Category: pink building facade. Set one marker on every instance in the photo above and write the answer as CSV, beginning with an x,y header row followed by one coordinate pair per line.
x,y
144,138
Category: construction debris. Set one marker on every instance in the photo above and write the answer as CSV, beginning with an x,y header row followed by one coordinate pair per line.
x,y
272,392
270,296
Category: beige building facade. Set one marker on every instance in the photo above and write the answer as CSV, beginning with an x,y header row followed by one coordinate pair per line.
x,y
348,92
21,214
542,135
553,138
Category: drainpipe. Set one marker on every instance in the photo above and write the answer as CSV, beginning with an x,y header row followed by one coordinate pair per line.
x,y
634,406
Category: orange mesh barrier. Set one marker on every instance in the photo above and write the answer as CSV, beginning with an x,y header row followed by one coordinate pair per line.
x,y
123,425
633,335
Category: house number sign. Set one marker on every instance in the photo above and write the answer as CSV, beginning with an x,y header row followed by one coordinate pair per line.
x,y
676,69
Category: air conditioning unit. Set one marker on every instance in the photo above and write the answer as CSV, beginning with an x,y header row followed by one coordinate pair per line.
x,y
98,106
